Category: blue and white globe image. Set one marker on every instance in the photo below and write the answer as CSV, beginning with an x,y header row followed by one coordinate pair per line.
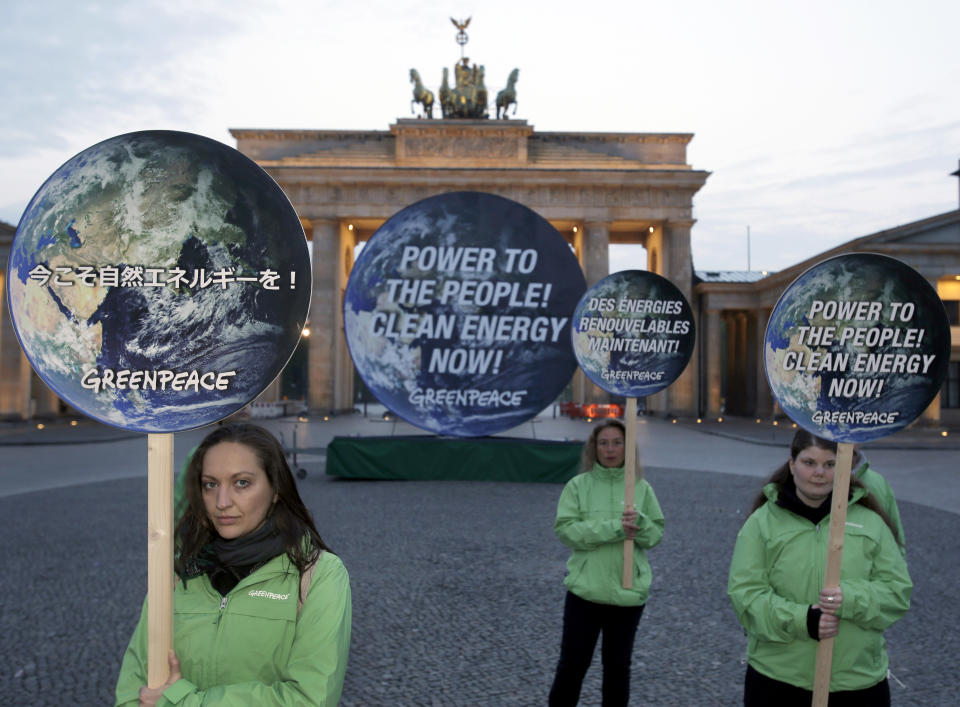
x,y
159,251
486,288
902,370
633,333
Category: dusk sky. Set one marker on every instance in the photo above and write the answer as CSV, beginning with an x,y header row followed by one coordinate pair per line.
x,y
819,121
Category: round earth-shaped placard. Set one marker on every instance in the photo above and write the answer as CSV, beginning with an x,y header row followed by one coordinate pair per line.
x,y
457,313
159,281
857,347
633,333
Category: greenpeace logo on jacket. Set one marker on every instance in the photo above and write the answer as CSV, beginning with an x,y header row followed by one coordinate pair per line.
x,y
268,595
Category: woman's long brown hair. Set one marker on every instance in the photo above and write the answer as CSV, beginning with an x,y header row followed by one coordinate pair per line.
x,y
803,440
293,521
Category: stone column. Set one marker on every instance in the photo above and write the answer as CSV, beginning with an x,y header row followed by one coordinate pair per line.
x,y
26,404
595,260
343,376
653,242
713,342
741,359
596,251
324,317
15,371
681,396
44,401
931,416
9,351
578,393
764,402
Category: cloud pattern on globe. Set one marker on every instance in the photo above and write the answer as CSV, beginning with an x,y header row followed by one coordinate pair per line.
x,y
460,381
633,333
857,347
141,225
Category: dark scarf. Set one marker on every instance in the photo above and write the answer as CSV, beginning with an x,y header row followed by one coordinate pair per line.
x,y
787,498
261,545
226,562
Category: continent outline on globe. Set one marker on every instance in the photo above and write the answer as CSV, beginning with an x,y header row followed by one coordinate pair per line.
x,y
856,347
456,313
633,333
122,212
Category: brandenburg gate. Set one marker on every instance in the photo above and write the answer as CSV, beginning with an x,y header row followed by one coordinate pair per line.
x,y
595,188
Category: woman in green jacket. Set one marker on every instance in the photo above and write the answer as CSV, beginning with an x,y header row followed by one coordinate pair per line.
x,y
592,521
776,584
261,605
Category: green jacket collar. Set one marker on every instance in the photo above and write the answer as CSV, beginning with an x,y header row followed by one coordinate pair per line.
x,y
607,471
772,492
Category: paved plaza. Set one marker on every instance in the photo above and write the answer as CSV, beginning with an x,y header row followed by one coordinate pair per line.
x,y
457,586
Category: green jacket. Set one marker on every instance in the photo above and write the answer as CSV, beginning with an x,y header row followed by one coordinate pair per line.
x,y
589,521
252,647
880,489
777,573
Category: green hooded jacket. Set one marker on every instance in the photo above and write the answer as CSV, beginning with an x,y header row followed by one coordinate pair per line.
x,y
777,573
252,647
589,521
880,490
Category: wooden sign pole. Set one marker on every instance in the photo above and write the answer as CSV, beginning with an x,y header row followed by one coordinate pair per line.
x,y
629,483
159,557
831,577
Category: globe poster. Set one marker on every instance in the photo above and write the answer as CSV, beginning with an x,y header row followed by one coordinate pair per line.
x,y
457,313
159,281
857,347
633,333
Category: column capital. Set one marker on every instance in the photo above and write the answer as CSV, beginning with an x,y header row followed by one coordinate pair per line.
x,y
679,223
324,221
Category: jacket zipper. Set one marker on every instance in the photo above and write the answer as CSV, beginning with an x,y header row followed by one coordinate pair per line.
x,y
223,605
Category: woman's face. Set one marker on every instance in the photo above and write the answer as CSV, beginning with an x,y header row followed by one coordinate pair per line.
x,y
236,490
812,472
610,450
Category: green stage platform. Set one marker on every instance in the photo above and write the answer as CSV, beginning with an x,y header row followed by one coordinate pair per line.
x,y
429,458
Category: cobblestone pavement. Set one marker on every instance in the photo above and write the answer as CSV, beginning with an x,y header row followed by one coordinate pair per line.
x,y
457,593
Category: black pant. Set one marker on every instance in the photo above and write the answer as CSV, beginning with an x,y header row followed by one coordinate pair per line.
x,y
582,622
761,691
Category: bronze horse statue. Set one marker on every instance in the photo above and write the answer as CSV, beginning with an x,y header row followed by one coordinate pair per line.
x,y
421,95
508,95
